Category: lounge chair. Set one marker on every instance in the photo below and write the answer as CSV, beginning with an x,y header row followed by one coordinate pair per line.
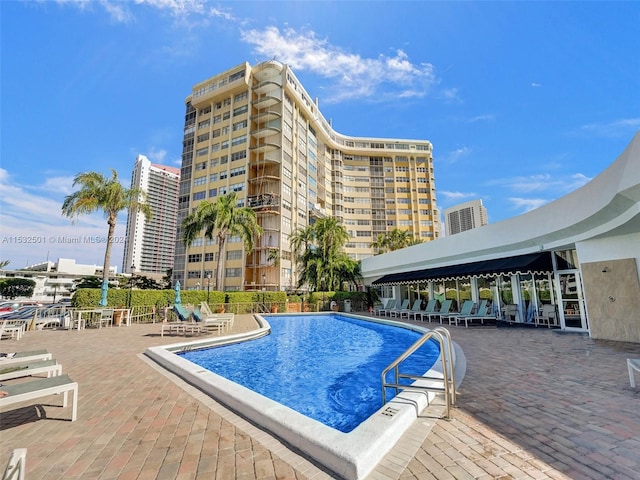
x,y
17,370
444,310
395,312
42,387
430,308
414,308
391,304
633,364
481,315
214,321
16,466
22,357
467,308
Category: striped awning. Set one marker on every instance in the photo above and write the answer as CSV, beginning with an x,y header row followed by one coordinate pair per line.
x,y
522,264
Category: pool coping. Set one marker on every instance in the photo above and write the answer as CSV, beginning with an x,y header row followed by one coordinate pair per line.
x,y
352,455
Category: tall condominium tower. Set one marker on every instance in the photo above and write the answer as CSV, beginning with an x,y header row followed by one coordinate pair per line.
x,y
465,216
256,131
149,244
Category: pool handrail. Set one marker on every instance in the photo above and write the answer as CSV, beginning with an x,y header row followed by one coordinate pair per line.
x,y
443,337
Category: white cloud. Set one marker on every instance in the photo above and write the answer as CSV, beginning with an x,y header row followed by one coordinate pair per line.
x,y
157,156
305,51
456,195
616,128
33,227
457,154
523,205
536,85
556,183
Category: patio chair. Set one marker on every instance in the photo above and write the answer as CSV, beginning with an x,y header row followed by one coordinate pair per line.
x,y
430,308
414,308
105,318
511,312
548,315
395,312
444,310
467,308
22,357
17,370
12,329
42,387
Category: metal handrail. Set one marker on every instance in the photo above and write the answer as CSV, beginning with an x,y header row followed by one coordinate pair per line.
x,y
443,337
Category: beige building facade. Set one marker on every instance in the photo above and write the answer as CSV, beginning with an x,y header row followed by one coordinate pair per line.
x,y
256,131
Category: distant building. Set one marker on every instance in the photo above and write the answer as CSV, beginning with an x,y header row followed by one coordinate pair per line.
x,y
150,244
254,130
465,216
55,280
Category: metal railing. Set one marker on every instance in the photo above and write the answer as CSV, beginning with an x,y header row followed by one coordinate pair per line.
x,y
446,384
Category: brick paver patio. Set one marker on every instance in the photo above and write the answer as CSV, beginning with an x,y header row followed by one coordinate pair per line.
x,y
534,404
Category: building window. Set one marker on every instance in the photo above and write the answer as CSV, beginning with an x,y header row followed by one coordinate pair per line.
x,y
195,257
199,195
233,272
234,255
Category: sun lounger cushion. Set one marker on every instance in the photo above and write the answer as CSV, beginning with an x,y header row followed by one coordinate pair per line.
x,y
17,370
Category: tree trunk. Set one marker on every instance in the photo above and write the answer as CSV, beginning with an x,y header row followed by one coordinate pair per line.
x,y
220,273
107,252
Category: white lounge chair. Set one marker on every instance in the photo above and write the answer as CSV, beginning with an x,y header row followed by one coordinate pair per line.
x,y
633,364
17,370
16,466
42,387
12,329
27,356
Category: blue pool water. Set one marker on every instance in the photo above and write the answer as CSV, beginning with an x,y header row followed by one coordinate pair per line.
x,y
326,367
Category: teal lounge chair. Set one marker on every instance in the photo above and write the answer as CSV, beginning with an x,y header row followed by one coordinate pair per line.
x,y
395,312
430,308
391,304
42,387
444,310
467,308
414,308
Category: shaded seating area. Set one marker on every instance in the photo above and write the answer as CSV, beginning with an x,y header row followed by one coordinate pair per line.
x,y
414,309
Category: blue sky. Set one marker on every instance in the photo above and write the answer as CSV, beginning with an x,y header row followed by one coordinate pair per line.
x,y
523,102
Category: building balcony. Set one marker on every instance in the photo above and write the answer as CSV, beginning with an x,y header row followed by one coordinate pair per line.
x,y
265,131
264,202
267,100
266,146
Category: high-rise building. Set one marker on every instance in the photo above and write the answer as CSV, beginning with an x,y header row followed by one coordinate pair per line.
x,y
149,244
465,216
256,131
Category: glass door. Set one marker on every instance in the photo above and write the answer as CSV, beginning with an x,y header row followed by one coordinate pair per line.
x,y
571,306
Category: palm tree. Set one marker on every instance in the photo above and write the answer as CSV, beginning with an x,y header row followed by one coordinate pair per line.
x,y
394,240
322,265
221,218
98,192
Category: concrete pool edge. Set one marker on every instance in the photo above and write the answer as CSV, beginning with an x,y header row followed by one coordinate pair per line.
x,y
348,455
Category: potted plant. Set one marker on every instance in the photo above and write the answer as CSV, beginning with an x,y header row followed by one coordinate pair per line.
x,y
372,298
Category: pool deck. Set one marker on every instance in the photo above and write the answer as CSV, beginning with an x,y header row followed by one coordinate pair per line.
x,y
534,404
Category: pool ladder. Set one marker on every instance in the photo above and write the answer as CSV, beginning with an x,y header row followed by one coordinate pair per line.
x,y
446,384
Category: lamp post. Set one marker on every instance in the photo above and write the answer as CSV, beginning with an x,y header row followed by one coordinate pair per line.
x,y
208,285
264,279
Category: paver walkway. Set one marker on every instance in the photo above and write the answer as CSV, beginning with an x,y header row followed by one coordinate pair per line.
x,y
534,404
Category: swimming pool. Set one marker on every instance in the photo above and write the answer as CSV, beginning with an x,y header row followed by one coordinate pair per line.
x,y
326,367
350,455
